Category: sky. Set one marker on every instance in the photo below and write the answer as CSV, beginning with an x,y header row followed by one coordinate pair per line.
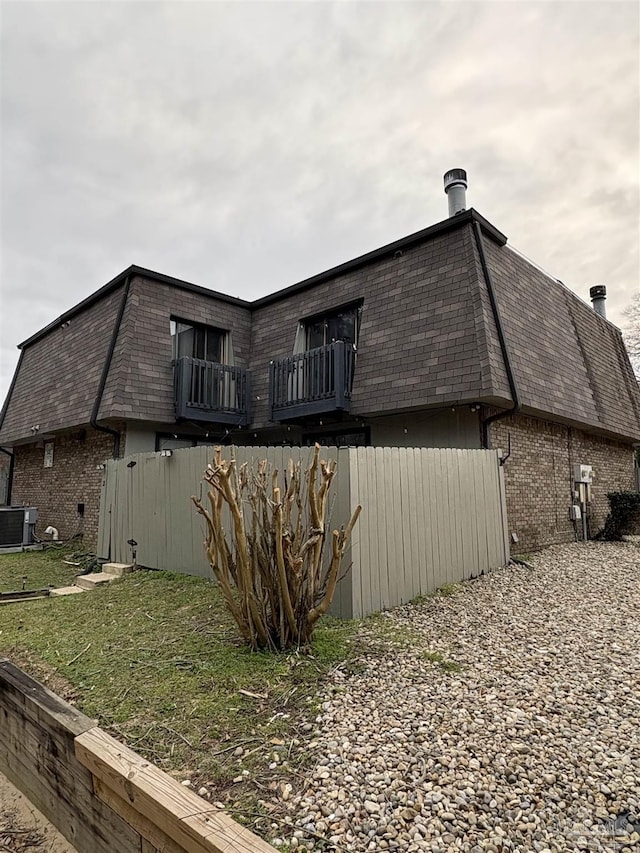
x,y
244,146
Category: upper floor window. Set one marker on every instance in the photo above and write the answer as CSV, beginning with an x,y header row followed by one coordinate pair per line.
x,y
197,341
340,325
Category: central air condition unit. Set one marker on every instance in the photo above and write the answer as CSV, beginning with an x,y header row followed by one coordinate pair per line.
x,y
17,525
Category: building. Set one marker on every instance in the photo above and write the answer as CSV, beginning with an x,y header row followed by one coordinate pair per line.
x,y
445,338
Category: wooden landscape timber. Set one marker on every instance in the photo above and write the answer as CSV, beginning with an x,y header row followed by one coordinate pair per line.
x,y
23,595
100,794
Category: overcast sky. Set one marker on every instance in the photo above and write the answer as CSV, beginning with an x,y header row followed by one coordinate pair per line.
x,y
245,146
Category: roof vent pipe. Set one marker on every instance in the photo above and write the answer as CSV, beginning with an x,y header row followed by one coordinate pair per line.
x,y
598,294
455,186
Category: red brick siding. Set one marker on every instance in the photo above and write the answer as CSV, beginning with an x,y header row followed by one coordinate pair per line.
x,y
539,477
57,491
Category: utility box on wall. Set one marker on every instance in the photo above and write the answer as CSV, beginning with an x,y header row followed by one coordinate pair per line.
x,y
583,474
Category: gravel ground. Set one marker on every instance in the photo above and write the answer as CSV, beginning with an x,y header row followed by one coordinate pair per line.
x,y
505,717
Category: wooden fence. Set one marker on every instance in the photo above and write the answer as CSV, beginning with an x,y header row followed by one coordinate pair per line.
x,y
102,796
429,516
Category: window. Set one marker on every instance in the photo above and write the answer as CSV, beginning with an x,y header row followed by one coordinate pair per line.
x,y
196,341
341,325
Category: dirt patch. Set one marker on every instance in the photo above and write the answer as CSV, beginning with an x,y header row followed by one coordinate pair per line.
x,y
23,829
44,673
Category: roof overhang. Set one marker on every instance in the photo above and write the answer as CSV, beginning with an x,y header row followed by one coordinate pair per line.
x,y
444,227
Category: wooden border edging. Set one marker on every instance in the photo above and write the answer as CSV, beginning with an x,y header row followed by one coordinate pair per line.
x,y
100,794
151,796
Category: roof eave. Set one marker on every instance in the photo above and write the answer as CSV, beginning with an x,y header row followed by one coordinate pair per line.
x,y
116,282
447,225
443,227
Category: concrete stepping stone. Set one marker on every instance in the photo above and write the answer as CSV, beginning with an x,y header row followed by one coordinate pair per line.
x,y
117,569
66,590
95,579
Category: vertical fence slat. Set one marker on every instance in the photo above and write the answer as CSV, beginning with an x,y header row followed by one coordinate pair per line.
x,y
395,551
371,586
381,520
404,536
356,537
420,495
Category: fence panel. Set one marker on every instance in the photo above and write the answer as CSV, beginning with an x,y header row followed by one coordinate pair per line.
x,y
429,516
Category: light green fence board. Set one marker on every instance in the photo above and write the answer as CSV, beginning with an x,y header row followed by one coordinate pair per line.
x,y
429,516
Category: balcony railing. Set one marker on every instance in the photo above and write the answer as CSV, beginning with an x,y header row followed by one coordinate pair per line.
x,y
311,383
207,391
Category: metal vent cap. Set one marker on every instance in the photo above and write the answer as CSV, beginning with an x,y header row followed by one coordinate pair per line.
x,y
455,177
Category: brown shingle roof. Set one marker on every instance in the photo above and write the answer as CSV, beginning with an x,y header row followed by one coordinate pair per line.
x,y
569,362
428,338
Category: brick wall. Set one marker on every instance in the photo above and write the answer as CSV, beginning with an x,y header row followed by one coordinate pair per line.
x,y
74,478
539,477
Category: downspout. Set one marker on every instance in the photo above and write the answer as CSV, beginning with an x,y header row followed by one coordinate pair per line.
x,y
105,373
12,461
513,388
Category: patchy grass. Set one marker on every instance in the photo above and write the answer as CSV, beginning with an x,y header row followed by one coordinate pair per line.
x,y
382,635
156,659
41,569
444,664
447,589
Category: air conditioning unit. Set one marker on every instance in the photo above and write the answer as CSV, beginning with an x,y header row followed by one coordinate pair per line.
x,y
17,525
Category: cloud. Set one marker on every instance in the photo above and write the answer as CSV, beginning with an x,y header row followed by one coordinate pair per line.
x,y
245,146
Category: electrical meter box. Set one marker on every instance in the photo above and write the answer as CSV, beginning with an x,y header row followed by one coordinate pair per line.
x,y
582,474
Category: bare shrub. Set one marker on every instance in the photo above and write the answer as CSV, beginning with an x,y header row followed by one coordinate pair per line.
x,y
270,564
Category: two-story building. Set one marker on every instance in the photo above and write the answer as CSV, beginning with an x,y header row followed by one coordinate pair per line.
x,y
445,338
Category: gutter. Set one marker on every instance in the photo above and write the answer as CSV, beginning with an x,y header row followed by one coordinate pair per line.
x,y
513,388
105,373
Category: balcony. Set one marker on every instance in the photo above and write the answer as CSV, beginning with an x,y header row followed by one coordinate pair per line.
x,y
211,392
312,383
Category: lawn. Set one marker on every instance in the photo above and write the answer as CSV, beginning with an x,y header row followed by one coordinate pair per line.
x,y
155,658
39,568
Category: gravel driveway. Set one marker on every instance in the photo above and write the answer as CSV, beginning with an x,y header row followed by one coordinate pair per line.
x,y
503,717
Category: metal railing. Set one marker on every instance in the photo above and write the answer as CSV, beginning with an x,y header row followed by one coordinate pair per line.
x,y
318,380
208,391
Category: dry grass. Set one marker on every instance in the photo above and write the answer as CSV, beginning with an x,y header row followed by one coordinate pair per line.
x,y
155,657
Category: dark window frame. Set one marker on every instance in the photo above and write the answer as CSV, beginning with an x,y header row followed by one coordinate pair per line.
x,y
355,305
223,335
